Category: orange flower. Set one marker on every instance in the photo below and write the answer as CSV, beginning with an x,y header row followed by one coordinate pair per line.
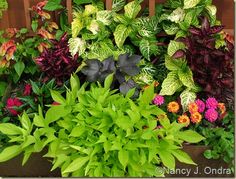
x,y
222,107
51,26
4,63
10,53
184,119
44,14
43,45
173,107
196,117
45,34
39,10
11,32
6,46
192,107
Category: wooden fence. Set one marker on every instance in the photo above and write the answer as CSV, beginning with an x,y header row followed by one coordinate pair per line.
x,y
18,14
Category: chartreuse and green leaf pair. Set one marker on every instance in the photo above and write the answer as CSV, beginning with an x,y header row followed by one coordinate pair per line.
x,y
98,132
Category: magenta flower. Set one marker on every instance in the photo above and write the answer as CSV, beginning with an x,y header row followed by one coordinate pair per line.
x,y
201,105
211,103
158,100
27,90
211,115
11,103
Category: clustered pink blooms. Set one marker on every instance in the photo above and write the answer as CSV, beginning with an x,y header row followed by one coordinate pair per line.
x,y
211,115
158,100
211,103
12,103
27,90
201,105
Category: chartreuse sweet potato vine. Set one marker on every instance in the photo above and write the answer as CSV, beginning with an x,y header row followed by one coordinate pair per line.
x,y
98,132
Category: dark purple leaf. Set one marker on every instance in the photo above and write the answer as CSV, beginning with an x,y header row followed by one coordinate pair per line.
x,y
216,29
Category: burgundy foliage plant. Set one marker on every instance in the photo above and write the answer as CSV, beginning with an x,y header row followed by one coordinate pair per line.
x,y
212,68
57,61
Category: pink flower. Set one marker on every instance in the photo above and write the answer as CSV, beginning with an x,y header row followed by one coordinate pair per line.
x,y
211,115
211,103
27,90
11,103
201,105
158,100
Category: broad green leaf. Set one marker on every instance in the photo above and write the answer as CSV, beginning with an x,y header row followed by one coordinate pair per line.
x,y
174,64
77,45
190,3
105,17
147,95
121,33
132,9
170,28
10,129
189,136
19,67
211,9
177,15
164,121
187,97
61,158
186,77
117,5
108,81
77,131
182,157
76,164
123,157
174,46
57,97
90,9
166,158
79,2
53,5
34,25
10,152
170,84
25,121
77,24
148,48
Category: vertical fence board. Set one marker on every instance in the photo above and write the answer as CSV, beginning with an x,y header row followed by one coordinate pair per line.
x,y
27,13
151,5
108,4
69,10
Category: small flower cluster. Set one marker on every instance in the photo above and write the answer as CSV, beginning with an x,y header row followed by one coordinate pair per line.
x,y
211,110
13,104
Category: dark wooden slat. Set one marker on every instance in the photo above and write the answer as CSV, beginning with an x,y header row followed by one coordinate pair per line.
x,y
108,4
27,14
69,10
152,4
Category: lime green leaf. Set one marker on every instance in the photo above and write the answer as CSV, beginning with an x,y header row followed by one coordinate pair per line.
x,y
177,15
167,159
10,129
123,157
187,97
76,164
174,46
121,33
186,77
19,68
117,5
25,121
132,9
189,136
108,81
89,10
57,97
77,24
182,156
170,28
61,158
174,64
147,95
10,152
190,3
211,9
77,45
105,17
34,25
170,84
148,48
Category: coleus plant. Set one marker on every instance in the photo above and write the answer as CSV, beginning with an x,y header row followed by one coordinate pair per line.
x,y
57,61
212,67
96,132
126,65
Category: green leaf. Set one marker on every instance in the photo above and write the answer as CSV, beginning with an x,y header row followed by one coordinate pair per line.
x,y
25,122
211,9
186,77
174,46
77,25
10,129
23,31
123,157
77,45
79,2
147,95
121,33
76,164
187,97
34,25
105,17
53,5
148,48
170,28
177,15
190,3
117,5
174,64
108,81
57,97
61,158
166,158
182,156
132,9
10,152
3,86
77,131
207,154
189,136
170,84
19,68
